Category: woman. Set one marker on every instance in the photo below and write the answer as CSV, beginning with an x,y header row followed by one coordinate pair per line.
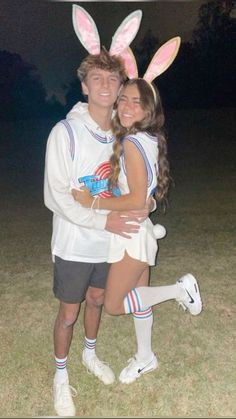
x,y
140,167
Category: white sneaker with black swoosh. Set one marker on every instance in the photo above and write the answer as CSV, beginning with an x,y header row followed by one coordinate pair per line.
x,y
135,368
192,300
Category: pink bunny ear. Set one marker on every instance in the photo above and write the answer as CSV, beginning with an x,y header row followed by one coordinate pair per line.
x,y
126,33
86,30
130,63
162,59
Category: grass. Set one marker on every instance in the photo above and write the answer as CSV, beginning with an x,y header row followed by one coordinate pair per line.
x,y
196,376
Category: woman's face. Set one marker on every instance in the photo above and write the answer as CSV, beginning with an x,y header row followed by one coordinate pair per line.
x,y
129,106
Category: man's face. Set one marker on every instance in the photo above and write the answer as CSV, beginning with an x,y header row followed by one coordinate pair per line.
x,y
102,87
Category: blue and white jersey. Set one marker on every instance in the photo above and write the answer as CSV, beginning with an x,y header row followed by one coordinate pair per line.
x,y
148,148
78,153
142,245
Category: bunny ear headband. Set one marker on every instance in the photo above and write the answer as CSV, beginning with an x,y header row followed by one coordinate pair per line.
x,y
86,30
162,59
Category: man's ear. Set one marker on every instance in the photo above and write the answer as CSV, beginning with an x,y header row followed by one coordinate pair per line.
x,y
84,88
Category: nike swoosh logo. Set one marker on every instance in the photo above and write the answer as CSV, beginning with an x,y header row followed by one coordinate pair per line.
x,y
191,298
141,369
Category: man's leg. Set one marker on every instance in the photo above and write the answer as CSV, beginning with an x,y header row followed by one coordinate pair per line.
x,y
63,332
71,281
92,315
63,329
92,311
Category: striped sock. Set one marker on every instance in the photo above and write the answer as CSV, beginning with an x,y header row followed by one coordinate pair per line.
x,y
61,371
142,298
143,321
143,314
132,302
89,347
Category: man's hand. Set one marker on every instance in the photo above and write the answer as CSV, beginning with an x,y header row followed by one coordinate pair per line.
x,y
144,213
120,223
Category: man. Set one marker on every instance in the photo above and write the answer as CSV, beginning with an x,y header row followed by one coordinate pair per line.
x,y
81,147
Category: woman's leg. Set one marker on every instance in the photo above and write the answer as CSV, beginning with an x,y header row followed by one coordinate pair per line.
x,y
123,276
185,292
126,294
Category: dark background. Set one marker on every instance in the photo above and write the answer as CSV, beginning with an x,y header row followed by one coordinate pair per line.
x,y
39,55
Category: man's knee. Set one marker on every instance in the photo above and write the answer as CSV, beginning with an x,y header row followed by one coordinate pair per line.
x,y
67,315
95,296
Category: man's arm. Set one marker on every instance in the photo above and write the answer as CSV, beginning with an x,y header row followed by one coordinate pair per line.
x,y
116,221
57,178
119,222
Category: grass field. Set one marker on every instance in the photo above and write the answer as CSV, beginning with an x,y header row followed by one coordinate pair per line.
x,y
197,357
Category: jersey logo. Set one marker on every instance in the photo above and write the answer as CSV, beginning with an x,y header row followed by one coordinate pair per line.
x,y
98,183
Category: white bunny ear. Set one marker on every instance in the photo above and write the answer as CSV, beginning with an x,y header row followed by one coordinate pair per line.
x,y
126,33
162,59
130,63
86,30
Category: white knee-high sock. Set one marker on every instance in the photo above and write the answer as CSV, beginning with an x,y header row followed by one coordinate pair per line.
x,y
143,321
141,298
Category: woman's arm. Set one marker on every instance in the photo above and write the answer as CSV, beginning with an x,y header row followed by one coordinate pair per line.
x,y
137,183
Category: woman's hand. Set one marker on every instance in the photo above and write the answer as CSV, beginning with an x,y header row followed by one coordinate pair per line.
x,y
83,196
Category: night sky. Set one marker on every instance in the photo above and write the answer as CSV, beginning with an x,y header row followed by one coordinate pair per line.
x,y
42,32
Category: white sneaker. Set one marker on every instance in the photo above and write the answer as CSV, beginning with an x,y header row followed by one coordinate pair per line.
x,y
99,369
159,231
136,368
62,395
192,300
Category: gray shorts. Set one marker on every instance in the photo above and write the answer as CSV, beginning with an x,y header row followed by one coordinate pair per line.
x,y
72,279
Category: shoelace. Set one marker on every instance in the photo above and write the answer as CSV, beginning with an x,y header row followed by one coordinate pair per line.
x,y
96,362
182,305
73,390
131,362
67,387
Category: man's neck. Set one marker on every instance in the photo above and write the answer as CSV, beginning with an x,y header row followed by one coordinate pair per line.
x,y
102,116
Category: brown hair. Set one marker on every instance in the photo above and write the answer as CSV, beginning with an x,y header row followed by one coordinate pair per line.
x,y
103,61
153,123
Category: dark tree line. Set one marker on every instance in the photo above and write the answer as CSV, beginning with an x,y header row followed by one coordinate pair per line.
x,y
21,90
202,75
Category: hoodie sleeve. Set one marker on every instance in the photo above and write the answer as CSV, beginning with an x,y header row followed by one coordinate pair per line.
x,y
57,183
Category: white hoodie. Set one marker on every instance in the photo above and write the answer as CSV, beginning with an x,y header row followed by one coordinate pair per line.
x,y
78,233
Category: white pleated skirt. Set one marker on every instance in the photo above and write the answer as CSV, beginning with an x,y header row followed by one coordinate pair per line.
x,y
142,246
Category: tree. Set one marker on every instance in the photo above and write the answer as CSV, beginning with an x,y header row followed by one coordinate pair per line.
x,y
213,40
145,51
74,94
21,89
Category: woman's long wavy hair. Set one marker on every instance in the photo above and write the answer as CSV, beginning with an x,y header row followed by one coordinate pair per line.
x,y
153,123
